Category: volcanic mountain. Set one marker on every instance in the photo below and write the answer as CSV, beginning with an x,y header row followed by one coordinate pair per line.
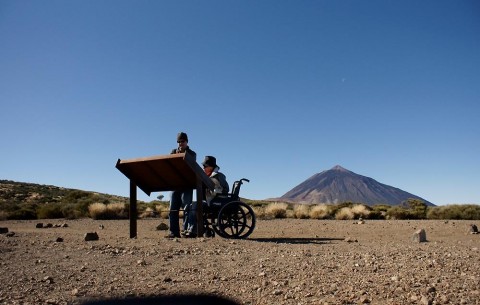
x,y
339,185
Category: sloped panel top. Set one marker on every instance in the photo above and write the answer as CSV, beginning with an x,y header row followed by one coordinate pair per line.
x,y
164,172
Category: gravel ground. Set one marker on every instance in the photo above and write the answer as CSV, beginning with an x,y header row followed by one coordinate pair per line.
x,y
287,261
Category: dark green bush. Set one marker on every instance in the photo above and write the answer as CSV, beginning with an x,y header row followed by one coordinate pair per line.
x,y
398,212
50,211
22,213
455,211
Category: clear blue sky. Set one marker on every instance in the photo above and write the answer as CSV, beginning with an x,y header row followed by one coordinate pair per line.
x,y
276,90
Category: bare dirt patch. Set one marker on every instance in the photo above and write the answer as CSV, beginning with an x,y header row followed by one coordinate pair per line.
x,y
286,261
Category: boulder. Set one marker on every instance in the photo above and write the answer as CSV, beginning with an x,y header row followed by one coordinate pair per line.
x,y
91,236
420,236
473,229
3,230
162,226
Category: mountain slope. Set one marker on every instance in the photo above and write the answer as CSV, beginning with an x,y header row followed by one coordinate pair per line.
x,y
339,185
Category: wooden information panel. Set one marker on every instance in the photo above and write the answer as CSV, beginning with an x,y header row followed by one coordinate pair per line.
x,y
161,173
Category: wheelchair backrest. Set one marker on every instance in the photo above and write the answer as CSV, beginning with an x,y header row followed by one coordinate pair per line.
x,y
236,187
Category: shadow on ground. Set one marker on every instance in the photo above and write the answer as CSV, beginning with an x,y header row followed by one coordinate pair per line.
x,y
296,240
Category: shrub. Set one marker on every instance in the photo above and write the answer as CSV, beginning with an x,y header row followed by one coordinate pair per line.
x,y
162,210
359,210
23,213
276,210
149,212
301,211
97,210
3,215
454,211
259,212
50,211
320,211
345,213
70,211
116,211
398,212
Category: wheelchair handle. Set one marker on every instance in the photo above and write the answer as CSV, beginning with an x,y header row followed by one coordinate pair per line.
x,y
244,179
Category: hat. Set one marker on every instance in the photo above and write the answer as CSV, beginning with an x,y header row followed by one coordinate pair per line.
x,y
182,136
210,161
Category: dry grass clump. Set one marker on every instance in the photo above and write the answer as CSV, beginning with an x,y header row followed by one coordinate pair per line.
x,y
276,210
162,210
103,211
259,212
359,210
3,215
301,211
320,211
95,210
149,212
345,213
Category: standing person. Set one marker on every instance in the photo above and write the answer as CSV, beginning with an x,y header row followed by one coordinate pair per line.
x,y
183,197
221,187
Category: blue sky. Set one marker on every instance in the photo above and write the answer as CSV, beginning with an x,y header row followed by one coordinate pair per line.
x,y
276,90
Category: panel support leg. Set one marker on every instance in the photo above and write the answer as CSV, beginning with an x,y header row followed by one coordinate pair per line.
x,y
200,225
133,210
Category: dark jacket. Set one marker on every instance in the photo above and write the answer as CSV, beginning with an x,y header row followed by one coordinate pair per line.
x,y
188,150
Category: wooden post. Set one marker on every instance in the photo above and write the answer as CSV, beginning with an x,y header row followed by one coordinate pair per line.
x,y
199,208
133,209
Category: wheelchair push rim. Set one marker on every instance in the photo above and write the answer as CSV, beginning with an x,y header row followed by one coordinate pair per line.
x,y
235,220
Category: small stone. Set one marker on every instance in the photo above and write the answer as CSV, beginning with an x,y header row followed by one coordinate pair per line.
x,y
162,227
101,227
419,236
141,262
91,236
167,280
425,301
59,240
39,225
10,234
64,225
74,292
49,225
473,229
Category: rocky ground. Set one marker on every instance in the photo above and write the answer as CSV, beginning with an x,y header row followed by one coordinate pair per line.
x,y
287,261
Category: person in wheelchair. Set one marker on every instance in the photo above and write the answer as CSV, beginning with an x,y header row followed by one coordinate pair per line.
x,y
222,188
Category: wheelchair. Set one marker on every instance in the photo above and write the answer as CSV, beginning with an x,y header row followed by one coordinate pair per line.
x,y
229,217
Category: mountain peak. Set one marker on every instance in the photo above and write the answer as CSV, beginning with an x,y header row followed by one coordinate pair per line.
x,y
339,168
339,185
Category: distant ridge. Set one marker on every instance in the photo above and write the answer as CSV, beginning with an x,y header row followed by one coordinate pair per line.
x,y
338,185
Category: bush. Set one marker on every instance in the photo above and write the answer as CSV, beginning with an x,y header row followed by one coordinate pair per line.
x,y
116,211
454,211
97,210
50,211
23,213
398,212
276,210
320,211
259,212
163,210
301,211
360,210
345,213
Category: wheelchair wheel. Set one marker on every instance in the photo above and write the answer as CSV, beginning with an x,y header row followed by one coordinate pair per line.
x,y
235,220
